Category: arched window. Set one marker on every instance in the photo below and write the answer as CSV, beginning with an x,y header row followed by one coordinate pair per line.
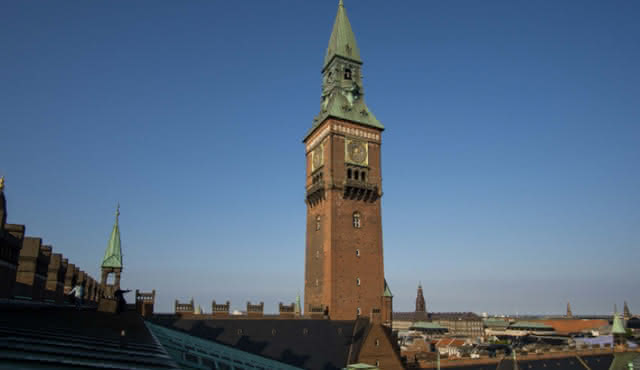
x,y
349,173
358,311
357,252
347,74
317,222
355,174
356,220
358,281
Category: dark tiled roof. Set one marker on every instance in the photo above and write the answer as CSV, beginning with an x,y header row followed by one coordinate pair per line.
x,y
633,323
63,337
598,362
306,343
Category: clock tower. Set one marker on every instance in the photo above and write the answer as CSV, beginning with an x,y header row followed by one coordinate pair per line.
x,y
344,270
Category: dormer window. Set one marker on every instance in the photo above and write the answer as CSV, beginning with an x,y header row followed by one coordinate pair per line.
x,y
347,74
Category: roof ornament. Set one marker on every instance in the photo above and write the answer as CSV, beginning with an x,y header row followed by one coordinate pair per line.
x,y
117,212
2,183
341,4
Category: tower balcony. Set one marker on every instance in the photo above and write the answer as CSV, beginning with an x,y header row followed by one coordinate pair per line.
x,y
361,190
315,192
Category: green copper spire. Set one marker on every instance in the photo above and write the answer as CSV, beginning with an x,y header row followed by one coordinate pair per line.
x,y
387,291
342,41
342,88
298,305
618,326
113,255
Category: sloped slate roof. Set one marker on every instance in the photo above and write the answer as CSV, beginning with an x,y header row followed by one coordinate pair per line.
x,y
306,343
59,337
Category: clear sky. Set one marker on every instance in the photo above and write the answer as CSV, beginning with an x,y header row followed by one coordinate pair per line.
x,y
511,155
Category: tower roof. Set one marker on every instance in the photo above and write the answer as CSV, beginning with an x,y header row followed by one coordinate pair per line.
x,y
387,291
113,255
342,41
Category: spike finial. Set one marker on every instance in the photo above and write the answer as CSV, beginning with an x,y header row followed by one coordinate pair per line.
x,y
341,4
2,183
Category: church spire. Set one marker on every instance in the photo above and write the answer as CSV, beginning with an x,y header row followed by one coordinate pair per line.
x,y
569,313
342,88
420,303
626,311
342,41
113,255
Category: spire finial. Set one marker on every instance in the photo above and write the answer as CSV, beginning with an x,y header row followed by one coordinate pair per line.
x,y
341,4
117,212
2,183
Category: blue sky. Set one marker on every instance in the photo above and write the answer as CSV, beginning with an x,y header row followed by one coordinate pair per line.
x,y
510,158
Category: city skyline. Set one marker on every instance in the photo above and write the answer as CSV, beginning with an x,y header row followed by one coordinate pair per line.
x,y
509,148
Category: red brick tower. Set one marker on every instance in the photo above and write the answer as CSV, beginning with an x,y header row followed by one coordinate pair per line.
x,y
344,271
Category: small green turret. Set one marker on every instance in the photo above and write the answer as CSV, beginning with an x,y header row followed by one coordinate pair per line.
x,y
113,255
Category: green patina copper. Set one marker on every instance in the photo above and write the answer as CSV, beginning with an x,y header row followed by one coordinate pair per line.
x,y
298,305
342,88
618,326
426,325
343,41
387,291
113,255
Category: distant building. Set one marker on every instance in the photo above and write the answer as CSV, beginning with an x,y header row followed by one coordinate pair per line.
x,y
458,324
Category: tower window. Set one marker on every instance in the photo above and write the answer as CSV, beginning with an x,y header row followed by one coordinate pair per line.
x,y
317,222
349,173
377,342
347,74
356,220
355,174
358,281
357,252
358,311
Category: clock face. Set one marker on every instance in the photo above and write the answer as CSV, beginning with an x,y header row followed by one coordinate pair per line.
x,y
316,157
357,152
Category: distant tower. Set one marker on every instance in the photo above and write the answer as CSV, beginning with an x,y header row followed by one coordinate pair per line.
x,y
569,313
421,306
112,261
627,312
